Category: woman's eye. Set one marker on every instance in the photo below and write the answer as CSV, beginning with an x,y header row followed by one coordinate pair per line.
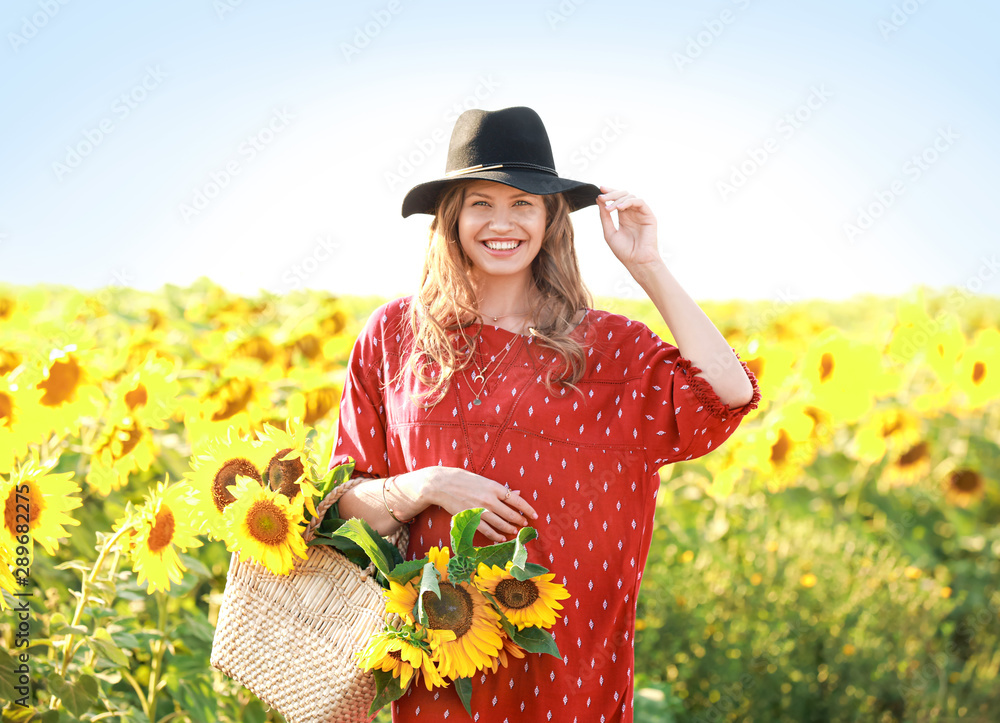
x,y
520,200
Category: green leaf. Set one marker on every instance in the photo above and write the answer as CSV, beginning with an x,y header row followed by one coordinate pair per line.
x,y
374,545
406,571
336,476
8,678
463,686
524,535
350,549
102,644
59,625
428,583
76,697
536,640
195,566
527,572
387,689
463,529
499,555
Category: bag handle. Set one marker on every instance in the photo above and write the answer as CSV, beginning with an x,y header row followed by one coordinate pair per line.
x,y
400,538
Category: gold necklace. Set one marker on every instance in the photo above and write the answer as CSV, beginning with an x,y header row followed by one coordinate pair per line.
x,y
504,316
480,374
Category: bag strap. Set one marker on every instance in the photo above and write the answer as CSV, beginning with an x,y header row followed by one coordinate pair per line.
x,y
400,538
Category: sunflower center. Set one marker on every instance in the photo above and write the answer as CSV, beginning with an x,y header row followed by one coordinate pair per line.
x,y
131,439
64,377
9,361
137,397
978,372
913,455
36,505
239,397
283,473
453,611
516,594
395,655
780,449
825,366
163,530
889,429
308,345
965,480
6,411
266,523
227,476
319,402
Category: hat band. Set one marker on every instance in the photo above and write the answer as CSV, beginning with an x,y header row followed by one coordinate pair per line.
x,y
508,164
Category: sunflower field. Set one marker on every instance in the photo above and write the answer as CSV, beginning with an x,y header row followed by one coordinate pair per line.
x,y
837,559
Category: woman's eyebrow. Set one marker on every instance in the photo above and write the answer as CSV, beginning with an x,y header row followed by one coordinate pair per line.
x,y
486,195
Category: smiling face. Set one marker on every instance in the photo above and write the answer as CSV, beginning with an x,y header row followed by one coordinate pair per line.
x,y
501,229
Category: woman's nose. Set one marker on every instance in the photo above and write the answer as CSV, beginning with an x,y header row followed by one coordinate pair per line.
x,y
500,219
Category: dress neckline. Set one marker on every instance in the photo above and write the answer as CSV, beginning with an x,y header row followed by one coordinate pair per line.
x,y
507,332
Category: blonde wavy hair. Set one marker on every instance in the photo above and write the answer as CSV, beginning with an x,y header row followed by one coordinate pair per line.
x,y
446,302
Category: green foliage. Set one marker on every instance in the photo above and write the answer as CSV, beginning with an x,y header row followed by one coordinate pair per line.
x,y
802,611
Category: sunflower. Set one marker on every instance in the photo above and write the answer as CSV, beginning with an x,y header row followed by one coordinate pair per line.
x,y
772,366
240,398
265,526
978,375
7,581
69,391
148,394
125,446
526,603
844,377
162,526
286,468
316,396
402,653
509,648
18,423
50,497
963,486
463,629
217,465
782,448
910,466
883,432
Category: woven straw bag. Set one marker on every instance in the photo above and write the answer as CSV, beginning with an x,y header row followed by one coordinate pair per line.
x,y
290,639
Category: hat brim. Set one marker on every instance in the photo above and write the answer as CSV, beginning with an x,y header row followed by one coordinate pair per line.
x,y
423,197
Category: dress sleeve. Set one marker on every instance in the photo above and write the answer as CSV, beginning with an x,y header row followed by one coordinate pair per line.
x,y
362,422
682,416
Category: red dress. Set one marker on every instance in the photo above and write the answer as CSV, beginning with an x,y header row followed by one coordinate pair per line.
x,y
588,465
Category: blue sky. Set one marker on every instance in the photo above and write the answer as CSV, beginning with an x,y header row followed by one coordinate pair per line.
x,y
789,150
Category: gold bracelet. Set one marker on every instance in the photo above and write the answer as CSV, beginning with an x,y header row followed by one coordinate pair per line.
x,y
385,483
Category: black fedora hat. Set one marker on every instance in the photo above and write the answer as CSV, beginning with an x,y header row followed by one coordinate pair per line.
x,y
508,146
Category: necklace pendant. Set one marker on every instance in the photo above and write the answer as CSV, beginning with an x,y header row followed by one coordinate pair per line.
x,y
477,377
476,402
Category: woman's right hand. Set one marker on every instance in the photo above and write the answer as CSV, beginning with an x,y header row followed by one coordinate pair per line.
x,y
455,489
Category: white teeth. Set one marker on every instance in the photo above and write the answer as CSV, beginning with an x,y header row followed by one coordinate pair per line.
x,y
502,245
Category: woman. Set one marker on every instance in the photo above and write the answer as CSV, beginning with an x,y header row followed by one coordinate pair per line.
x,y
523,400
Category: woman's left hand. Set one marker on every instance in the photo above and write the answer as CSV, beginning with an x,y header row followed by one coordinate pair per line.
x,y
634,241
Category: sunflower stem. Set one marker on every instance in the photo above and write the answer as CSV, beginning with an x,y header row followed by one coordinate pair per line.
x,y
138,689
858,478
87,579
157,663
